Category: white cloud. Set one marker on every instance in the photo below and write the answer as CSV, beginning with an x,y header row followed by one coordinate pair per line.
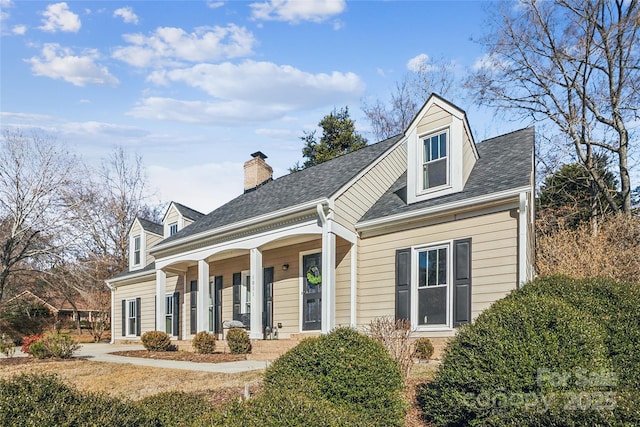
x,y
19,30
127,15
214,4
191,185
102,129
219,113
295,11
59,17
4,5
418,63
168,45
57,62
246,82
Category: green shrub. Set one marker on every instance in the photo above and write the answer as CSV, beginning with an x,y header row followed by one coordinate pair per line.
x,y
238,341
156,341
176,408
7,346
43,400
290,408
423,348
345,368
204,342
61,346
556,352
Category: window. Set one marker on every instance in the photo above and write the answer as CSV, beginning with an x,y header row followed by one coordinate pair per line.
x,y
212,290
132,317
173,229
245,296
434,161
136,250
433,286
242,298
168,317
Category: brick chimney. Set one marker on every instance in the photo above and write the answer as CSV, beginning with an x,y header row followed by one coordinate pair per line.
x,y
256,172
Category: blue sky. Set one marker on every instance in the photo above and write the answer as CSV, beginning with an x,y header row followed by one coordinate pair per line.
x,y
195,87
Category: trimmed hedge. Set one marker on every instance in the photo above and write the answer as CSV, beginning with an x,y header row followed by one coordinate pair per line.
x,y
156,341
179,409
238,341
204,342
556,352
43,400
61,346
343,369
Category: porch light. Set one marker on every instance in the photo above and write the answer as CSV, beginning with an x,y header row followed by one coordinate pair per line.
x,y
285,267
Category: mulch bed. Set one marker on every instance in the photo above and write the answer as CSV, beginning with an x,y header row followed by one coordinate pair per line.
x,y
185,356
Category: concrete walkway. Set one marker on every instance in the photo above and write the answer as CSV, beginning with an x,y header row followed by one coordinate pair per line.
x,y
101,353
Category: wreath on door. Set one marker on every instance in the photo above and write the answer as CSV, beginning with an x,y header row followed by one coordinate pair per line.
x,y
313,275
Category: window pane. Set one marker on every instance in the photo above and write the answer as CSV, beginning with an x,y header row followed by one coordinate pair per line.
x,y
442,266
168,324
425,151
434,148
432,306
432,268
422,269
443,145
437,173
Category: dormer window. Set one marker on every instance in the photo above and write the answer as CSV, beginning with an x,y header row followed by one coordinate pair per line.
x,y
136,250
173,228
435,163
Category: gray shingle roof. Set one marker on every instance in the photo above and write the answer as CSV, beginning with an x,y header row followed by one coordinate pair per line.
x,y
151,226
187,212
296,188
504,163
148,268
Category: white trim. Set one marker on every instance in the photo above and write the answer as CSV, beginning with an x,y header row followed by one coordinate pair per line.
x,y
301,276
372,223
247,222
201,301
169,295
353,318
523,243
113,311
132,275
420,190
415,250
342,231
127,316
243,243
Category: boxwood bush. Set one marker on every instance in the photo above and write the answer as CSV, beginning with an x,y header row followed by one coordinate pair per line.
x,y
346,369
204,342
156,341
238,341
556,352
43,400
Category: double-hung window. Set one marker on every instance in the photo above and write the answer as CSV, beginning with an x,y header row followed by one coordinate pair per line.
x,y
173,228
434,161
136,250
132,317
168,317
433,286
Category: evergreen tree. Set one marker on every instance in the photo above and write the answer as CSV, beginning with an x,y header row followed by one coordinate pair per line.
x,y
339,137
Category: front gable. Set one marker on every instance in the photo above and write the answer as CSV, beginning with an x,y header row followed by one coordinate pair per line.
x,y
440,151
142,237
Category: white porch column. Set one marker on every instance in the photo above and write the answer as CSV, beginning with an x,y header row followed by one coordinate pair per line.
x,y
328,279
354,285
256,332
161,290
203,295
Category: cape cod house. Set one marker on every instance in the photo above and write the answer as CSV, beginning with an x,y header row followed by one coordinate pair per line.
x,y
426,226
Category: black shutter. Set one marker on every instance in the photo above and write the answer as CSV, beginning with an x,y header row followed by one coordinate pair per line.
x,y
217,319
124,317
461,282
403,284
237,282
138,326
193,296
176,313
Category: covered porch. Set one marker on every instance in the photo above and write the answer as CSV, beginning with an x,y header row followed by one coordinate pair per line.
x,y
281,283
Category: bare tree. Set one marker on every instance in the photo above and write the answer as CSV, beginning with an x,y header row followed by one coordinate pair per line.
x,y
574,63
35,178
410,93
